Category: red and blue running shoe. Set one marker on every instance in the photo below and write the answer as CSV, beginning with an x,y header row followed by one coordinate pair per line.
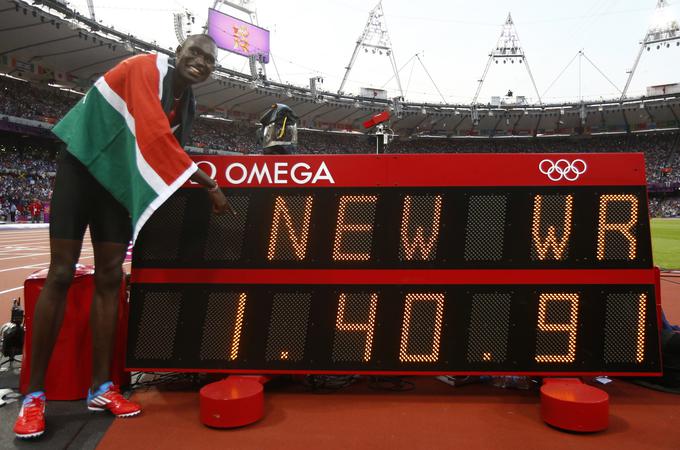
x,y
31,420
108,397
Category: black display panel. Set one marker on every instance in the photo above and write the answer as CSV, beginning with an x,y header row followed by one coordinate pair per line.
x,y
402,264
388,227
394,328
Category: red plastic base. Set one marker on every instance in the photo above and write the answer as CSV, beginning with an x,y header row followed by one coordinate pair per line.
x,y
233,402
568,404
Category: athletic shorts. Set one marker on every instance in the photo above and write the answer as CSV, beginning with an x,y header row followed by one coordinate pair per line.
x,y
78,200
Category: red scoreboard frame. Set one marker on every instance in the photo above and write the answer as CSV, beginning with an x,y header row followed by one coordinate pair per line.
x,y
402,264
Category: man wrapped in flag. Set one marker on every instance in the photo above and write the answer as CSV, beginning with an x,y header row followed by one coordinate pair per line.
x,y
123,159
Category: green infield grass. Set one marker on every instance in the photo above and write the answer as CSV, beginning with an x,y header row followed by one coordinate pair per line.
x,y
666,243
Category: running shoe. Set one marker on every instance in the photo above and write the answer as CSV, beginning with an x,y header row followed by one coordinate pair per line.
x,y
108,397
31,420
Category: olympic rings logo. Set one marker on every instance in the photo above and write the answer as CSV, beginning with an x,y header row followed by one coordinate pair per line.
x,y
563,169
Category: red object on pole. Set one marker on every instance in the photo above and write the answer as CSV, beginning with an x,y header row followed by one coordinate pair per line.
x,y
233,402
569,404
69,373
377,119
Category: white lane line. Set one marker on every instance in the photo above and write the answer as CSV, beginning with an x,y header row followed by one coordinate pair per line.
x,y
22,238
23,248
24,252
14,244
34,266
24,243
17,241
25,256
18,246
11,290
30,255
21,287
8,237
6,231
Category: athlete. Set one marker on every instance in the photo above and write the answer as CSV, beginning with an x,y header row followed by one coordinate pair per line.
x,y
139,111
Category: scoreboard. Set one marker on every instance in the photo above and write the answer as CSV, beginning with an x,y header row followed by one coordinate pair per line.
x,y
402,264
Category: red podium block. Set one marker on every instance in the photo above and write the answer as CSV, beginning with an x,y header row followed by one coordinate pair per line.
x,y
569,404
233,402
70,370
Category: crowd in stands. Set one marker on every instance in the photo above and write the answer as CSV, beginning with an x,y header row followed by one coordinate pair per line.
x,y
320,142
26,176
44,104
664,206
662,150
210,134
240,137
28,173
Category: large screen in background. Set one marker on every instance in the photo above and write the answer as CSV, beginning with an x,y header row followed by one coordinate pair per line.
x,y
466,263
237,36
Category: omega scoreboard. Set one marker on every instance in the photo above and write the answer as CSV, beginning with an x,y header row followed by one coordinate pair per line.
x,y
402,264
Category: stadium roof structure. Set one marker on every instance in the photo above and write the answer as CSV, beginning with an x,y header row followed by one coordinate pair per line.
x,y
50,43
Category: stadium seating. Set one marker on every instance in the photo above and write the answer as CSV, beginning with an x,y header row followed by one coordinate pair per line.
x,y
27,165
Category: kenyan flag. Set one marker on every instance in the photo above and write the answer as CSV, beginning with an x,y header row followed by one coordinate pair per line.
x,y
121,134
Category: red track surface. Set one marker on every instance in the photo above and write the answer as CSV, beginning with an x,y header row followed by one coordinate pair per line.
x,y
22,252
432,416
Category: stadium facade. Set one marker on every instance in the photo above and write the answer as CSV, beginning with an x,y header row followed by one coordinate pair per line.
x,y
52,44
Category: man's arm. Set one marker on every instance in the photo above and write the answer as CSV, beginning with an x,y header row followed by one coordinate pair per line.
x,y
156,139
219,201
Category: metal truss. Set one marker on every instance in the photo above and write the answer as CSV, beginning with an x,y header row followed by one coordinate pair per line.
x,y
376,39
508,49
181,20
661,34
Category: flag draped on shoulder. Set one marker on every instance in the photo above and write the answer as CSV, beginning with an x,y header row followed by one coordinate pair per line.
x,y
120,132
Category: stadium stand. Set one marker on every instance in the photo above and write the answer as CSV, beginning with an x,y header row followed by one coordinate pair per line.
x,y
30,101
227,136
27,163
27,169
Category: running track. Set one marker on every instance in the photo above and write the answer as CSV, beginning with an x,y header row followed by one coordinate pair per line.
x,y
22,252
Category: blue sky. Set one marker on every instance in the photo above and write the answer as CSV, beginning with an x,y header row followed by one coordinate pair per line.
x,y
453,39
